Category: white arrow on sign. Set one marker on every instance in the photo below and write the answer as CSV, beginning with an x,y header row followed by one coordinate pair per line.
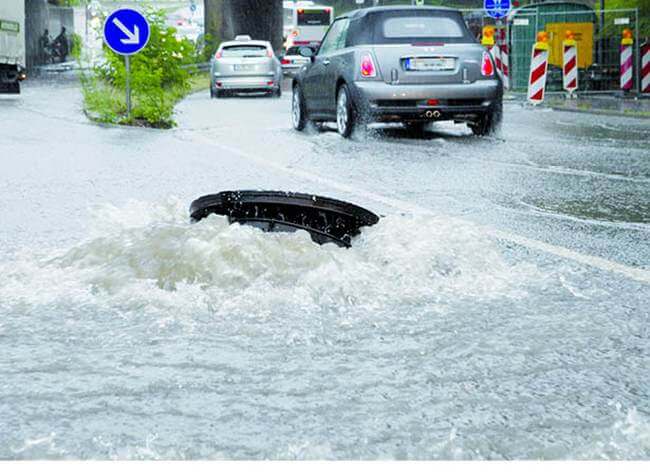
x,y
133,37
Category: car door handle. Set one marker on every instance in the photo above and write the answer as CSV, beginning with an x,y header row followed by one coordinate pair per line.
x,y
326,62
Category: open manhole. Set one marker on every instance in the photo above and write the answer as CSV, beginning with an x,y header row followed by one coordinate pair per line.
x,y
326,220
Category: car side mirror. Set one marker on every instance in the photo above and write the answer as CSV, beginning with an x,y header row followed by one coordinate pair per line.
x,y
307,52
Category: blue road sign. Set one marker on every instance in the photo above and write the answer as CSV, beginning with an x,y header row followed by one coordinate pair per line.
x,y
126,31
496,8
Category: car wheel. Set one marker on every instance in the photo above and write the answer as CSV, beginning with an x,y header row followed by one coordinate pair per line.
x,y
489,122
278,92
345,114
213,93
298,110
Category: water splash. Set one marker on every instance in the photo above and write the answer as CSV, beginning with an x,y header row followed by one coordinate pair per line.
x,y
150,255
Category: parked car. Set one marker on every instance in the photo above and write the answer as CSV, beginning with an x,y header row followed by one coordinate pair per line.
x,y
292,61
245,65
413,65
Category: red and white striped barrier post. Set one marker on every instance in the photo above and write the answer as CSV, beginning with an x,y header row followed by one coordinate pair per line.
x,y
570,63
505,60
538,68
627,47
645,68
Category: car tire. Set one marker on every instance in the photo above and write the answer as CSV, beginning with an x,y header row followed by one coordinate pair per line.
x,y
213,93
298,109
346,117
278,92
490,122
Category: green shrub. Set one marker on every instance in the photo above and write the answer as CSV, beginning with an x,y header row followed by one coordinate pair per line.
x,y
159,77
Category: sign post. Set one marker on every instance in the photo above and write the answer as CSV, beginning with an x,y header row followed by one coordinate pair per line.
x,y
126,32
498,9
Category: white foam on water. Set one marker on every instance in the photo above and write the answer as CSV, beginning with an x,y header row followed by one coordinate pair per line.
x,y
627,438
146,255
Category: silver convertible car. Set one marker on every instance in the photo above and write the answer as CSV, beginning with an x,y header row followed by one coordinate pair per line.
x,y
413,65
245,65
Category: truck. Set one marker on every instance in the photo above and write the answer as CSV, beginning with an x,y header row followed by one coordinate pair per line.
x,y
12,45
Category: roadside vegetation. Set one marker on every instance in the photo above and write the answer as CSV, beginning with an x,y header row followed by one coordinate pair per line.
x,y
161,75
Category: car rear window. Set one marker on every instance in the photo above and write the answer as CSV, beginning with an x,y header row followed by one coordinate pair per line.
x,y
293,51
416,25
313,18
421,27
244,51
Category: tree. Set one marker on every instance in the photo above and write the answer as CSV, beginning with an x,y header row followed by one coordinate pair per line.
x,y
644,12
261,19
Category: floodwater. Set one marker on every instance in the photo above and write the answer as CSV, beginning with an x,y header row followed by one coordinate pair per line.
x,y
128,332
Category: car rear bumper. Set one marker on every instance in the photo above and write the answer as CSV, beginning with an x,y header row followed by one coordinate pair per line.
x,y
291,69
388,102
262,82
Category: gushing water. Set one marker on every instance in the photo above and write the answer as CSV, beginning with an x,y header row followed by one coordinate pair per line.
x,y
155,338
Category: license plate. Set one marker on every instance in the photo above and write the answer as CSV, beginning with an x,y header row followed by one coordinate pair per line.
x,y
430,64
243,67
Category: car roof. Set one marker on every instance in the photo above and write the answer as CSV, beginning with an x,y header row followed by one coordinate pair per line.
x,y
355,14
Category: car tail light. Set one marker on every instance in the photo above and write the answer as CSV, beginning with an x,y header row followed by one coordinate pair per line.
x,y
269,53
218,55
432,102
285,61
295,33
368,69
487,68
269,83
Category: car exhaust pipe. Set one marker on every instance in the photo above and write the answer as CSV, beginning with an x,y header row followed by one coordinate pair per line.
x,y
432,114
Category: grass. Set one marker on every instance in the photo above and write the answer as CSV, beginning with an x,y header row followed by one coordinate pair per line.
x,y
106,104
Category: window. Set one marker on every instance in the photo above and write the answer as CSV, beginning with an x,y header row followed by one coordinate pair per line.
x,y
411,26
293,51
244,51
313,17
335,38
422,27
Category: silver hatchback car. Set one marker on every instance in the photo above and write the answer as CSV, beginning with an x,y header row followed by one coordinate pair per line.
x,y
245,65
413,65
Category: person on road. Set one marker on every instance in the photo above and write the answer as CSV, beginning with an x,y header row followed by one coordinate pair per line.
x,y
60,45
44,45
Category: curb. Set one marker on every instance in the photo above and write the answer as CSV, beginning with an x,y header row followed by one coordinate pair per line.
x,y
600,112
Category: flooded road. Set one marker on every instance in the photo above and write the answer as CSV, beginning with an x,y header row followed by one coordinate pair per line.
x,y
500,309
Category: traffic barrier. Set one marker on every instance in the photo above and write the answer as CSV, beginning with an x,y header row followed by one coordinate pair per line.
x,y
538,69
570,63
645,68
505,60
627,48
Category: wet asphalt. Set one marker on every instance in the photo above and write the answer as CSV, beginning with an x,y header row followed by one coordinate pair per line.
x,y
506,316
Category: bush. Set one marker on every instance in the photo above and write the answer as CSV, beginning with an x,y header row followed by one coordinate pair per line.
x,y
159,77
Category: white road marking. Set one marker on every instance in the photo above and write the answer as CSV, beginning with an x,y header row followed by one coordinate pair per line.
x,y
637,274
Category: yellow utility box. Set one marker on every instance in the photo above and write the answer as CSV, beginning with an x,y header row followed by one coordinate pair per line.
x,y
584,36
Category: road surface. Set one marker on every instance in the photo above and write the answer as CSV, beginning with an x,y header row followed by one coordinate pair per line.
x,y
499,309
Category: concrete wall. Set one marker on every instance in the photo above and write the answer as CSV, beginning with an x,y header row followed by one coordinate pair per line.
x,y
36,20
39,15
